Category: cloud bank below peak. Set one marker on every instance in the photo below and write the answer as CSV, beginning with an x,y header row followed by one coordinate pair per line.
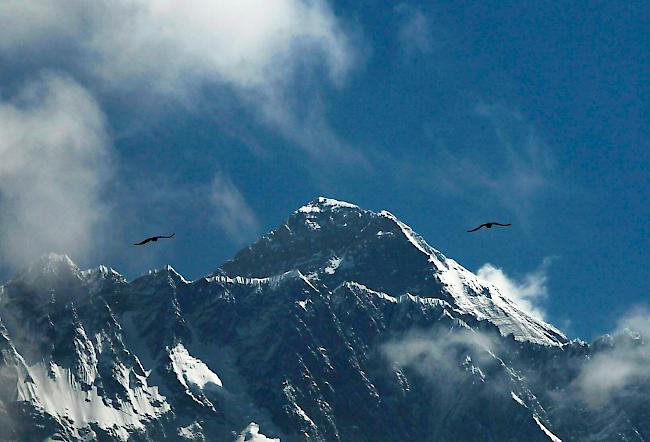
x,y
620,364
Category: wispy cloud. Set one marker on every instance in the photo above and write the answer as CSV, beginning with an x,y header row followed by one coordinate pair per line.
x,y
55,161
522,163
613,368
529,292
442,353
231,211
498,160
449,357
173,205
303,121
265,53
414,31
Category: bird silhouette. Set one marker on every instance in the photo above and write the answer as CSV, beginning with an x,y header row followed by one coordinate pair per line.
x,y
489,226
153,238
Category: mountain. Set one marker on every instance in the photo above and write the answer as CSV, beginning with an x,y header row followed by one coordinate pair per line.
x,y
340,325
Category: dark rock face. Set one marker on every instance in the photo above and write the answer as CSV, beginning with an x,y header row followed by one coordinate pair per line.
x,y
340,325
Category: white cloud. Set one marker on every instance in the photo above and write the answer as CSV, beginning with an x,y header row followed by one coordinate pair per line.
x,y
499,159
231,211
636,320
616,367
265,51
246,42
54,160
414,33
449,354
529,292
424,350
273,58
525,162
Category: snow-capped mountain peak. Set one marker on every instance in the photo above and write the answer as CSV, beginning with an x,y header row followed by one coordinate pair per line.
x,y
340,242
342,324
323,203
50,266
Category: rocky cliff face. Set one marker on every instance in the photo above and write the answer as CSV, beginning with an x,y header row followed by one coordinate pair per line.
x,y
342,324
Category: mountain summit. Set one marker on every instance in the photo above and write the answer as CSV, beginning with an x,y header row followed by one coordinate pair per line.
x,y
334,242
340,325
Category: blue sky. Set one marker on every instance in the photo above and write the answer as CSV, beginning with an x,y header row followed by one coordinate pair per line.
x,y
215,120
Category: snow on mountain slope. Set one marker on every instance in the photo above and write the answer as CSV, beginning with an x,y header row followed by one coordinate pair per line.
x,y
73,368
341,325
58,392
550,435
192,371
384,254
252,434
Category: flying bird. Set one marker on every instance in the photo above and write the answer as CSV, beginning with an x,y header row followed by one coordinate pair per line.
x,y
489,226
153,238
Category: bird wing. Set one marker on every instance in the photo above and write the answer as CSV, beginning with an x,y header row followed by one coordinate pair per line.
x,y
476,228
504,225
161,236
144,241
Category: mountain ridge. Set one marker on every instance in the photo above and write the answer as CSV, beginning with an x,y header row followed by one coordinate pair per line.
x,y
307,334
438,275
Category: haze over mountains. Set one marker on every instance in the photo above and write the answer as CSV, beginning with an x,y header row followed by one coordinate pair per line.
x,y
340,325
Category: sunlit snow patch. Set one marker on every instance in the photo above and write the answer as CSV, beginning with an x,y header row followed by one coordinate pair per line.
x,y
303,303
57,391
333,264
312,225
546,431
331,202
325,202
252,434
517,399
191,432
192,371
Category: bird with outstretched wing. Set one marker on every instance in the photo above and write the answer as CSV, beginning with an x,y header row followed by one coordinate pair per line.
x,y
152,238
489,226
